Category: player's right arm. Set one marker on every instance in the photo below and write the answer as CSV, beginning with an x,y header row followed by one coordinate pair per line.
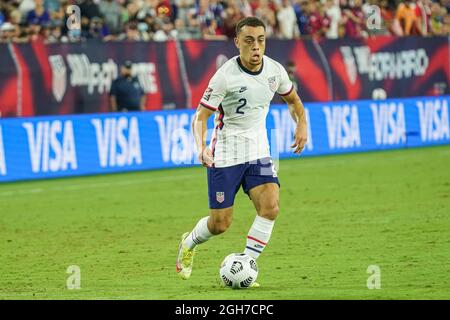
x,y
209,104
112,97
199,128
113,103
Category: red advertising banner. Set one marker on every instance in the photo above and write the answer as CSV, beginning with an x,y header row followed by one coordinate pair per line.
x,y
8,83
39,79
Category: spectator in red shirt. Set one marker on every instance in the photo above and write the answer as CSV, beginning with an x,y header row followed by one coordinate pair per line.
x,y
353,18
232,15
423,13
266,12
318,23
212,32
163,9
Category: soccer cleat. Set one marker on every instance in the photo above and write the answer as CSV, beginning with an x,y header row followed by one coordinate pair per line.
x,y
185,259
255,285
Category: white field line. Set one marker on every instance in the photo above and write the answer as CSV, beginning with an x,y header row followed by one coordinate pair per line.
x,y
84,186
78,295
283,168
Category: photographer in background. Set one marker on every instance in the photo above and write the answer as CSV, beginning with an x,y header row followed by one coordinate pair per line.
x,y
126,93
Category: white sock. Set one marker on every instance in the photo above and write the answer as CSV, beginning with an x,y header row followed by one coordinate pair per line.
x,y
258,236
199,235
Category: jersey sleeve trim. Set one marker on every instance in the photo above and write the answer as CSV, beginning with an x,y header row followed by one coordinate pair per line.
x,y
207,106
290,90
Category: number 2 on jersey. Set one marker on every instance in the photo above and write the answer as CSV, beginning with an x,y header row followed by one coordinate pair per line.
x,y
242,102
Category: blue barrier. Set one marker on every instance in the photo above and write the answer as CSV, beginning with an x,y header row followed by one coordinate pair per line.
x,y
57,146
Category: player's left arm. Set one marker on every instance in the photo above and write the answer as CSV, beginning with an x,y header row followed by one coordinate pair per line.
x,y
297,111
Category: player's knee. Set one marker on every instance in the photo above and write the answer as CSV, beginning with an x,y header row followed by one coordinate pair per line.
x,y
270,211
219,228
220,225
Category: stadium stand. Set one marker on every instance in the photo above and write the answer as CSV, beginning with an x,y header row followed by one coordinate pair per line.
x,y
162,20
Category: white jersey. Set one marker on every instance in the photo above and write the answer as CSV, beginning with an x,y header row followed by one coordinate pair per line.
x,y
241,100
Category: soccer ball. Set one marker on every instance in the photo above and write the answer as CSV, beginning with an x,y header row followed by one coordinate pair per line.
x,y
238,271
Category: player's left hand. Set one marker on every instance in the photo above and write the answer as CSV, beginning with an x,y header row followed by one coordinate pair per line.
x,y
300,138
206,158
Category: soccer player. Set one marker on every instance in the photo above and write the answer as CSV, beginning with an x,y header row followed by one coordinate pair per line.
x,y
239,94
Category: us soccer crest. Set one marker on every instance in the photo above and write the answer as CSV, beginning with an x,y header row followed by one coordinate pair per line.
x,y
272,83
220,197
59,76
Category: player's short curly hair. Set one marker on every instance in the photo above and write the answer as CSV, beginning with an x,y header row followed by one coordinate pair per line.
x,y
249,21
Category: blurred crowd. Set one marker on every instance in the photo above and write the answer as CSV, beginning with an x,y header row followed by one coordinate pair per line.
x,y
160,20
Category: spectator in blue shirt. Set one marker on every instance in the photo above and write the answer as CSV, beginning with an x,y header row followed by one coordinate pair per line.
x,y
2,18
126,93
300,8
39,16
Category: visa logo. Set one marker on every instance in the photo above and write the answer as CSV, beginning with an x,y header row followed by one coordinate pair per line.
x,y
118,141
285,129
433,116
389,123
342,126
177,141
51,145
2,155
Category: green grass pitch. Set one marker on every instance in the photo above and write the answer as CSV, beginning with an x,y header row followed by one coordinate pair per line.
x,y
339,215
